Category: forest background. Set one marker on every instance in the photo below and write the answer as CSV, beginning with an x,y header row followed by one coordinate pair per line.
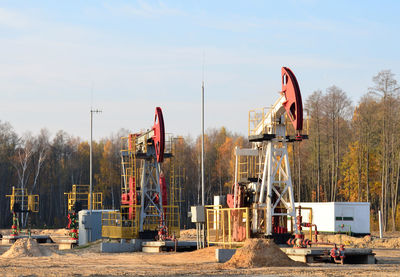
x,y
352,154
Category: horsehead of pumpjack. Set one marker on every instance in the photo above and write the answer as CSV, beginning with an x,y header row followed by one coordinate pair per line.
x,y
293,104
159,135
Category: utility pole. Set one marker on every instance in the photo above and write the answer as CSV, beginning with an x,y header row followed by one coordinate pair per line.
x,y
91,159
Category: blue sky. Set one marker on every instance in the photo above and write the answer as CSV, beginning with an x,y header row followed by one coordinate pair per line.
x,y
136,55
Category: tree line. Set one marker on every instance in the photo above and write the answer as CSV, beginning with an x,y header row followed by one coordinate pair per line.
x,y
352,154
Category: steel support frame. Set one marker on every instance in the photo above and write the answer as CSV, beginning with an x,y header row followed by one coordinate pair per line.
x,y
150,189
276,186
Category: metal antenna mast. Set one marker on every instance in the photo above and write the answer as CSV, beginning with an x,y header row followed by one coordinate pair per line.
x,y
91,158
202,137
202,144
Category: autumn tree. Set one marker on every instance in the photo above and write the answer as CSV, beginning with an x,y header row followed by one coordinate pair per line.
x,y
8,145
387,89
314,108
109,175
336,111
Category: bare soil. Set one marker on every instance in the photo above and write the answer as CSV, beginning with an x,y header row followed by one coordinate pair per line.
x,y
88,261
364,242
26,247
201,262
188,234
259,253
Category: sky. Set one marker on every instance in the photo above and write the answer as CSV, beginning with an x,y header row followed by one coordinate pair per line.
x,y
60,58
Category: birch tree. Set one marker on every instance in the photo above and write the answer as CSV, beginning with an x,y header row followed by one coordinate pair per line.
x,y
386,87
337,110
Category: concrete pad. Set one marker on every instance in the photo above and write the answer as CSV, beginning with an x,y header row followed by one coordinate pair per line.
x,y
318,254
67,244
157,243
370,259
168,245
39,239
152,249
115,247
224,255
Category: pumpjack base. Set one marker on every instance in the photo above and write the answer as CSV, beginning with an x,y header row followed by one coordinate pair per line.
x,y
321,254
168,245
134,245
67,244
280,238
148,235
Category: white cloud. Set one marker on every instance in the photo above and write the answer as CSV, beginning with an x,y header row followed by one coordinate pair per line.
x,y
12,19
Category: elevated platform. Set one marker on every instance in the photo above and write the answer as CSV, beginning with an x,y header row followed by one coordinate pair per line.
x,y
144,155
267,137
6,240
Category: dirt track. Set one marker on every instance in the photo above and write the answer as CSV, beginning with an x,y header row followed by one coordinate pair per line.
x,y
85,262
89,262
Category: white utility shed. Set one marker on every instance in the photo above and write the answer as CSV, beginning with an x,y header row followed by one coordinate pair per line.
x,y
336,217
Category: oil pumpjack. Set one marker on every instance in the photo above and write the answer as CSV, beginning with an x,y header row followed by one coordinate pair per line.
x,y
268,189
145,211
149,147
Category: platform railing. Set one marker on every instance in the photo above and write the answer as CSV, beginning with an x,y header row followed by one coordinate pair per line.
x,y
228,227
256,118
29,202
172,220
248,166
81,194
116,224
